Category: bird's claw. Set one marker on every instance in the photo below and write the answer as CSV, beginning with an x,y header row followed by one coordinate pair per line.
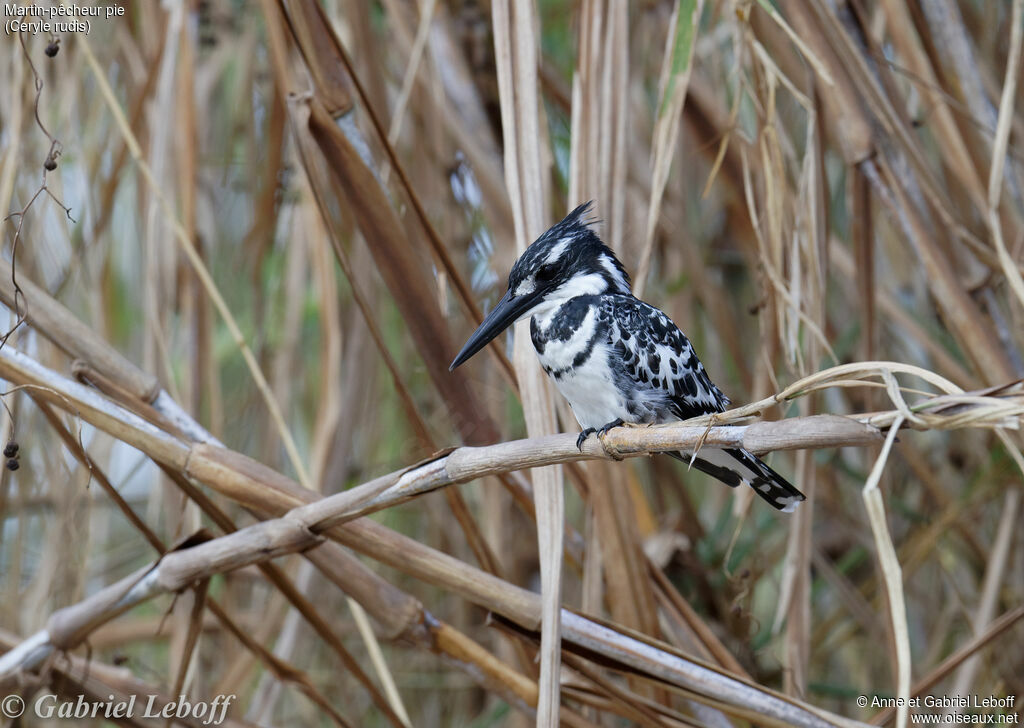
x,y
583,437
612,451
604,428
601,431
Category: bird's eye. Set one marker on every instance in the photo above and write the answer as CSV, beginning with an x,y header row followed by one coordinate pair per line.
x,y
545,273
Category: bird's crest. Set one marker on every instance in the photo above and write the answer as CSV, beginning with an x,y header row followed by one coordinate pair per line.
x,y
577,223
574,247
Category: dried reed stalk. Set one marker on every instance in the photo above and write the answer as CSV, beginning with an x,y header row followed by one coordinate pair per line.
x,y
516,59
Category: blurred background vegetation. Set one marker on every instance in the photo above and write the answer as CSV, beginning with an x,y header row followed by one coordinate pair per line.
x,y
828,197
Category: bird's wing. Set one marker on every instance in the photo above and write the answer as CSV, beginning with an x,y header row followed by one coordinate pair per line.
x,y
657,360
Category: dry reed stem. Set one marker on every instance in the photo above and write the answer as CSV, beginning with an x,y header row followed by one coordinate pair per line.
x,y
892,575
516,60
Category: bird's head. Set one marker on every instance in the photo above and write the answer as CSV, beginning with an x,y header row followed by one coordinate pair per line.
x,y
568,260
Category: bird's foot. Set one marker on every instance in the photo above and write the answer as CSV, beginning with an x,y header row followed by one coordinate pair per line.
x,y
602,431
607,426
583,437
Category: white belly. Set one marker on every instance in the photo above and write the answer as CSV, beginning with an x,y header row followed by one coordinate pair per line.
x,y
591,391
590,386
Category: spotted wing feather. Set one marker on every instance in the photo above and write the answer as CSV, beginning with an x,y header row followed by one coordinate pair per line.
x,y
655,362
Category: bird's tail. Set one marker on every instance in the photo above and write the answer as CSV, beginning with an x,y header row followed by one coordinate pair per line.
x,y
737,466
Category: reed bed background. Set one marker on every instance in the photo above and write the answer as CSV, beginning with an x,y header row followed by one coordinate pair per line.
x,y
247,238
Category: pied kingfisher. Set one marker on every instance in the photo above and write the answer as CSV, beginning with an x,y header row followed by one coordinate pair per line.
x,y
614,357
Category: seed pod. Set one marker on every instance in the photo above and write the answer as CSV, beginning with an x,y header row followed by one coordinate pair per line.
x,y
12,464
11,450
50,164
51,50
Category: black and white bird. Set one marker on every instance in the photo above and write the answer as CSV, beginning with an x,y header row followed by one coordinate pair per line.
x,y
614,357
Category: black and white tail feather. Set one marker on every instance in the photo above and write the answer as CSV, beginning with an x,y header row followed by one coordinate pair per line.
x,y
736,466
613,357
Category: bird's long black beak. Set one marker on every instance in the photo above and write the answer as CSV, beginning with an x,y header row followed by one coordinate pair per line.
x,y
508,310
